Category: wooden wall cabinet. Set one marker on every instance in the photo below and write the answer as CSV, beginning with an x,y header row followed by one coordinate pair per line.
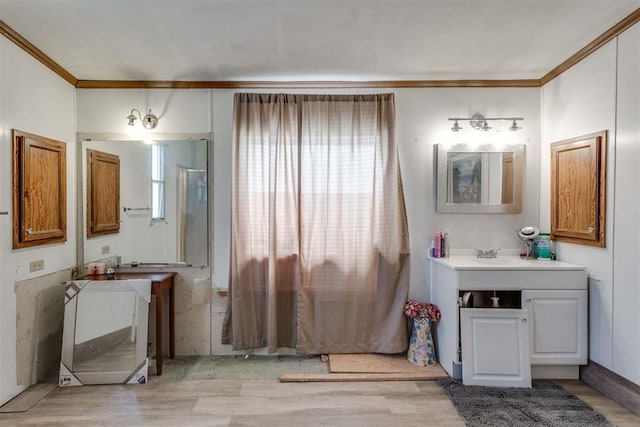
x,y
39,190
103,193
578,189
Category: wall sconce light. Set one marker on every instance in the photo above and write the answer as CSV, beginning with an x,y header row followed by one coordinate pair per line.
x,y
149,121
479,122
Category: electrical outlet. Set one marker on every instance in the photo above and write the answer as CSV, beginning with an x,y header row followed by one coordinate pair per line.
x,y
36,265
106,250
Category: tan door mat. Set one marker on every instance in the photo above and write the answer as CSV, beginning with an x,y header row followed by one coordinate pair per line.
x,y
436,372
378,363
369,367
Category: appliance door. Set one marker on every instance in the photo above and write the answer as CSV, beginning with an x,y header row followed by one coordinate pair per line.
x,y
495,347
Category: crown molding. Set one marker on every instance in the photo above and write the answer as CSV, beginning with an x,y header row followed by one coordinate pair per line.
x,y
25,45
604,38
154,84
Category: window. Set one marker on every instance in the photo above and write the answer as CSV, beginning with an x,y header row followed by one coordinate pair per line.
x,y
157,182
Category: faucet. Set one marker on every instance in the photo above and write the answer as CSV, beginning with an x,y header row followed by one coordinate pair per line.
x,y
487,253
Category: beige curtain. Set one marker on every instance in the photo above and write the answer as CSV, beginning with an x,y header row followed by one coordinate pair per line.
x,y
319,234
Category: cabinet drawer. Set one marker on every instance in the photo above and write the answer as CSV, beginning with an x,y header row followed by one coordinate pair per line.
x,y
521,279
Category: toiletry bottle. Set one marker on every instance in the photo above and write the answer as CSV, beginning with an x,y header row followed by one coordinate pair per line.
x,y
523,249
110,270
445,248
543,247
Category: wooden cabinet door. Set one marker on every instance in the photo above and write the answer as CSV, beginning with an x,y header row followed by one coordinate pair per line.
x,y
39,190
558,326
103,193
578,183
507,178
495,347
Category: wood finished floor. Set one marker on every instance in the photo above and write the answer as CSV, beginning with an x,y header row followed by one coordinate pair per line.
x,y
265,402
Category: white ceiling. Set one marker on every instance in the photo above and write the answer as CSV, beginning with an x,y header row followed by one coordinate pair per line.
x,y
219,40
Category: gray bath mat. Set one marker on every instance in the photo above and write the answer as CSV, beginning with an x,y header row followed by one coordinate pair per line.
x,y
546,404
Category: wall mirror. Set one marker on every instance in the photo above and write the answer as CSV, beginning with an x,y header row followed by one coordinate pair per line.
x,y
479,178
163,202
104,339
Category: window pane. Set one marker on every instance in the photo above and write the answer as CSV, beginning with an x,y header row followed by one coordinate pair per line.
x,y
157,162
157,181
157,195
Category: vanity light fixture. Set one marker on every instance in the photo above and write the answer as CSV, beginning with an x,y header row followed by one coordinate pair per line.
x,y
514,127
149,121
479,122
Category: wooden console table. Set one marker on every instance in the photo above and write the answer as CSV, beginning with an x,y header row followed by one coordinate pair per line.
x,y
160,281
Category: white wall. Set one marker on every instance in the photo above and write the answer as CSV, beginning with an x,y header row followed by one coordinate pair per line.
x,y
100,313
35,100
599,93
626,232
579,102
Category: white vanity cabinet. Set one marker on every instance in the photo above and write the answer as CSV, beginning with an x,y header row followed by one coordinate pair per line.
x,y
538,331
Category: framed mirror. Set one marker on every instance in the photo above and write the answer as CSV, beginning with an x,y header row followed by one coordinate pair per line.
x,y
479,178
104,338
163,201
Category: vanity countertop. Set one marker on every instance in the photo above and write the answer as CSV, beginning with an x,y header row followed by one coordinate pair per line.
x,y
504,263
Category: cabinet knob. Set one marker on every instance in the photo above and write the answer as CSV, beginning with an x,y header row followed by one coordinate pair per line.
x,y
29,230
529,300
524,320
590,229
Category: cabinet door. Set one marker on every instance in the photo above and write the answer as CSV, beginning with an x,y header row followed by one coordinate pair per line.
x,y
103,193
558,326
495,347
578,187
39,190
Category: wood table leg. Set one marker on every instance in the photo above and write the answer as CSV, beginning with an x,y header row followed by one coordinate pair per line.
x,y
172,321
159,346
